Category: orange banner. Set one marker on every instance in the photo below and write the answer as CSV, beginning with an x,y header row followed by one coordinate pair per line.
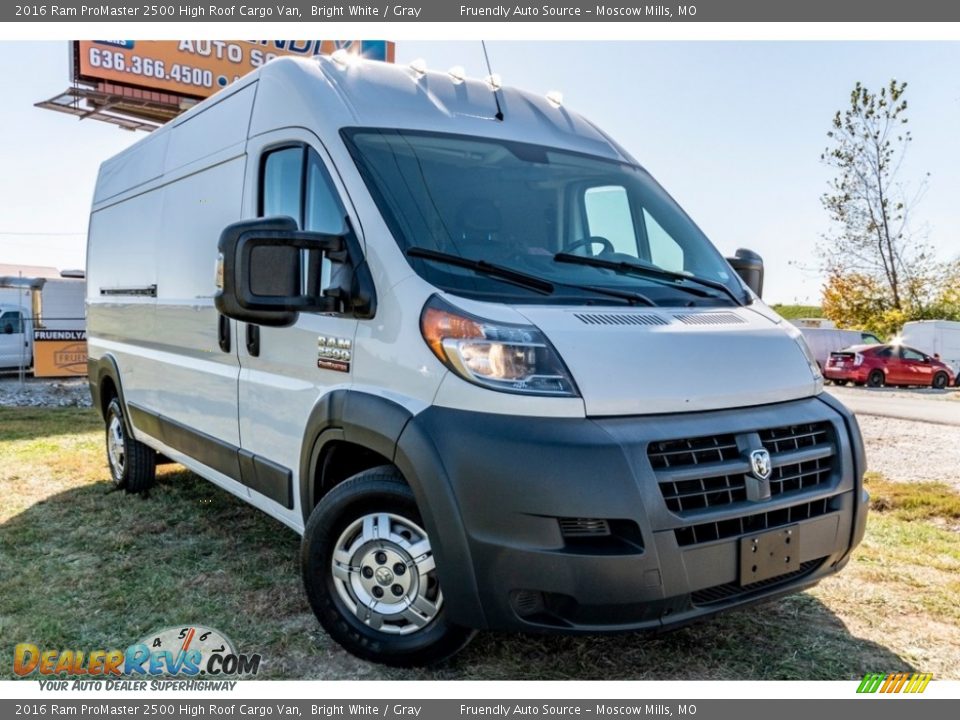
x,y
59,353
198,68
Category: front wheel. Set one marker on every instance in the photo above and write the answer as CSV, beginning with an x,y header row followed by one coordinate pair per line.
x,y
370,575
940,380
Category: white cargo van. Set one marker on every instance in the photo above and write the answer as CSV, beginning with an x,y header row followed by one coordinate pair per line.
x,y
823,341
455,336
935,337
16,337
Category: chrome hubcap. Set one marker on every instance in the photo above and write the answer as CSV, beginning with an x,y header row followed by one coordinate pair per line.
x,y
115,452
384,571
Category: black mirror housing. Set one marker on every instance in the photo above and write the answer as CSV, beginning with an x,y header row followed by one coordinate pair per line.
x,y
749,266
259,271
260,275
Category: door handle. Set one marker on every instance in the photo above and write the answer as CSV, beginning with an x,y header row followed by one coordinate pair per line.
x,y
253,340
223,333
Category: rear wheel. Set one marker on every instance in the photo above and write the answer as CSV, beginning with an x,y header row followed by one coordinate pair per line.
x,y
940,380
370,575
133,465
875,379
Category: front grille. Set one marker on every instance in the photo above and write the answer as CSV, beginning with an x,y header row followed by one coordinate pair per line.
x,y
734,527
729,591
708,472
795,437
688,495
692,451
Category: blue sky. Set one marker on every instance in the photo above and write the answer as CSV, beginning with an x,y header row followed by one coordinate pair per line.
x,y
734,130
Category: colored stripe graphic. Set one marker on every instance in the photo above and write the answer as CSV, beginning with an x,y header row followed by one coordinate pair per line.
x,y
894,683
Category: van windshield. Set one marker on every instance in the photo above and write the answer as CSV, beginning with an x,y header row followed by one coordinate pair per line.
x,y
540,211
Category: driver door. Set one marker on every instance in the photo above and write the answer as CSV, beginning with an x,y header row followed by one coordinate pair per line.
x,y
283,369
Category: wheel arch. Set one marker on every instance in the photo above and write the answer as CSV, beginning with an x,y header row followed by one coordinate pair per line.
x,y
104,380
344,420
377,425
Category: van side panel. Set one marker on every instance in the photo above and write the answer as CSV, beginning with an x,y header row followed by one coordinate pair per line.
x,y
133,168
203,193
198,379
62,303
121,260
158,213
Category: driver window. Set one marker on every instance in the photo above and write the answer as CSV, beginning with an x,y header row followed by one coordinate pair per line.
x,y
13,320
295,183
908,354
609,216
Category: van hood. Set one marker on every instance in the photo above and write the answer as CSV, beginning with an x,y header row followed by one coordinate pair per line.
x,y
659,360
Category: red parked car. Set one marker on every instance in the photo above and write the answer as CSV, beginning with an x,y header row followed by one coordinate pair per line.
x,y
878,365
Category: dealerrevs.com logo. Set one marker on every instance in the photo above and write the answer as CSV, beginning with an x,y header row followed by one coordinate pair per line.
x,y
192,651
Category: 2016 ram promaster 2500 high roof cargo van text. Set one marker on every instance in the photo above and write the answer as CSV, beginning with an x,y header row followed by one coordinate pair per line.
x,y
461,341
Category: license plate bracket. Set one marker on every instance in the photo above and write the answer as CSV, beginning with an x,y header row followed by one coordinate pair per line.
x,y
769,554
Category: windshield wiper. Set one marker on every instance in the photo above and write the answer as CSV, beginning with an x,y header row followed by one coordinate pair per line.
x,y
482,266
621,266
538,284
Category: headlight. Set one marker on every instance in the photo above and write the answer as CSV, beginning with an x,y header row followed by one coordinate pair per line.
x,y
797,336
811,361
500,356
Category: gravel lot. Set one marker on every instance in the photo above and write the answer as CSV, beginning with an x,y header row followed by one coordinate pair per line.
x,y
66,392
911,451
902,450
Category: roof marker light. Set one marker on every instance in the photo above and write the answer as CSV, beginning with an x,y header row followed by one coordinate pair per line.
x,y
457,74
343,58
419,66
494,82
555,98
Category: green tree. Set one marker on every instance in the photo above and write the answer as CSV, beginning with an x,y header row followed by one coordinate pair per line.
x,y
867,202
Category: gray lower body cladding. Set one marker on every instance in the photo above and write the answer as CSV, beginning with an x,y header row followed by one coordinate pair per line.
x,y
606,524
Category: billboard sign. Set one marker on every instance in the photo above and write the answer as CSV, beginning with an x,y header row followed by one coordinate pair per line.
x,y
198,68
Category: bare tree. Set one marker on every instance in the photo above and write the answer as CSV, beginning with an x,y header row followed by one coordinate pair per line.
x,y
867,201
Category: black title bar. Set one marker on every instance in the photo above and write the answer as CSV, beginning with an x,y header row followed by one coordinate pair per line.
x,y
473,11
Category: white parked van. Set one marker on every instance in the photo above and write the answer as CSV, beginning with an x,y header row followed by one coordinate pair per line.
x,y
16,337
935,337
823,341
456,336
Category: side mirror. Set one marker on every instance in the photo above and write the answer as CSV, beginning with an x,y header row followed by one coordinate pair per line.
x,y
749,266
8,329
261,278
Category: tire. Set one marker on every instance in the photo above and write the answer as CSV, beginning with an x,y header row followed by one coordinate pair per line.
x,y
940,381
133,465
412,628
875,379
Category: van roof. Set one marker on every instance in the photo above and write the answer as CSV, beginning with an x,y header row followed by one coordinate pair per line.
x,y
326,96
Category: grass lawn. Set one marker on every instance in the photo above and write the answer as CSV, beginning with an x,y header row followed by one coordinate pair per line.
x,y
87,568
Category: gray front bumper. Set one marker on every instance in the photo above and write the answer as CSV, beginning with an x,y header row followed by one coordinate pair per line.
x,y
501,496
